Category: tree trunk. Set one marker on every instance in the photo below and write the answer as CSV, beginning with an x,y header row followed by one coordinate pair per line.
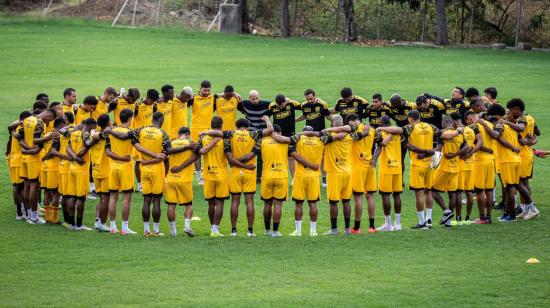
x,y
442,35
285,23
349,20
243,6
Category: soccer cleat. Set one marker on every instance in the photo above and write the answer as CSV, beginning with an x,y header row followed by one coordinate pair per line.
x,y
429,223
324,184
234,234
158,234
420,227
532,212
313,233
454,223
508,218
83,228
103,228
448,225
518,211
276,234
385,227
445,218
65,224
372,230
250,234
189,232
114,231
466,222
127,232
147,234
397,227
347,231
40,220
295,233
267,232
91,196
20,218
173,234
503,217
331,232
201,182
217,234
479,221
358,231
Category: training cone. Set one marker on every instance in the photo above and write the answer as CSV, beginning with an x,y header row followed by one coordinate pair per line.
x,y
195,218
533,261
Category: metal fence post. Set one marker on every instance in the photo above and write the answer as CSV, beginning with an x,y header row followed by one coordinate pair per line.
x,y
518,24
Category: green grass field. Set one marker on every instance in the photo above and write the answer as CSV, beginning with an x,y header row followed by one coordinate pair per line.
x,y
470,265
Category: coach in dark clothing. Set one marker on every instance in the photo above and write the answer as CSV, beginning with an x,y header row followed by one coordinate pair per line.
x,y
254,109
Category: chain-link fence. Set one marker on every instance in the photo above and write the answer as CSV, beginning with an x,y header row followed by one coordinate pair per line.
x,y
468,21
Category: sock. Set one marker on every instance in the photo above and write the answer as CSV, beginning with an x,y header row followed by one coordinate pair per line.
x,y
54,214
173,229
112,224
347,222
522,206
267,225
156,227
429,214
33,215
324,179
146,227
357,225
92,187
397,218
298,224
388,220
79,221
313,226
420,215
458,218
65,216
371,223
124,225
47,212
215,229
18,209
233,230
275,226
250,230
187,223
467,217
494,195
333,224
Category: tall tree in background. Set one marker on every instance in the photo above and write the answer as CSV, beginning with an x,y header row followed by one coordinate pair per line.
x,y
243,10
285,23
441,12
349,20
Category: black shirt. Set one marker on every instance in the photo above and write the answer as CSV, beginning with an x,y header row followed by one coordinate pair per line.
x,y
285,116
400,113
433,114
315,114
374,115
357,105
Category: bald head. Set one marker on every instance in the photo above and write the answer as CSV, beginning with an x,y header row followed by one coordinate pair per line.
x,y
254,96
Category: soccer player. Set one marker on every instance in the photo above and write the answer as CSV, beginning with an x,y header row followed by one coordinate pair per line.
x,y
484,167
431,110
43,97
491,96
65,164
164,106
400,114
84,111
216,186
124,101
143,116
153,142
274,188
239,150
308,152
226,107
455,104
103,102
377,109
202,106
14,162
69,100
179,111
466,175
254,109
447,173
508,148
100,172
118,147
50,168
178,189
283,111
528,138
477,105
338,167
390,177
31,138
79,172
350,103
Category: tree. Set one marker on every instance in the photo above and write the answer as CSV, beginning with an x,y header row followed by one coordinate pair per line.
x,y
441,12
285,23
243,10
349,20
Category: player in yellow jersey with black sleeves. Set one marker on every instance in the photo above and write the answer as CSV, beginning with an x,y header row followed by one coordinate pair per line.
x,y
50,169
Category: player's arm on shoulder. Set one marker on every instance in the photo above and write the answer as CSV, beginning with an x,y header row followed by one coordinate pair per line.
x,y
210,146
302,161
212,133
394,130
269,126
280,138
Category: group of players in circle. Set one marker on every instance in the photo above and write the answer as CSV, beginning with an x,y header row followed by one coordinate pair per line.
x,y
74,152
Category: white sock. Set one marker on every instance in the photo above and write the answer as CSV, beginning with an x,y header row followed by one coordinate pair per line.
x,y
34,215
113,224
146,227
215,229
313,226
523,206
397,218
124,225
92,187
428,214
187,223
532,206
156,227
494,195
420,215
388,220
298,224
173,229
